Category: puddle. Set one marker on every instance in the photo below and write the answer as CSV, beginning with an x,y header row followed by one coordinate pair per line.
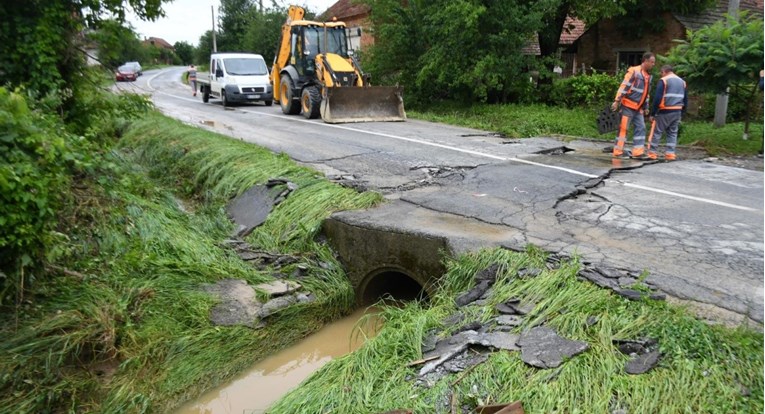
x,y
270,379
216,124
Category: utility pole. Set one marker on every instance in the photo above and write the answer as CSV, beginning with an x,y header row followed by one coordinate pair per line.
x,y
215,44
721,103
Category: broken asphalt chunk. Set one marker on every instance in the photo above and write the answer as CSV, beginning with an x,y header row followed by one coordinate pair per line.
x,y
509,320
632,294
465,361
512,408
595,277
278,287
611,273
237,306
450,347
473,294
490,273
542,347
515,307
642,363
251,208
275,305
634,346
429,342
529,272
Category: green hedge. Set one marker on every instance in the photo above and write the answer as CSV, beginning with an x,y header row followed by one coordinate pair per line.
x,y
584,90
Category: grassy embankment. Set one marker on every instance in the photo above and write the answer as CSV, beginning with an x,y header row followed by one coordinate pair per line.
x,y
123,326
521,121
704,369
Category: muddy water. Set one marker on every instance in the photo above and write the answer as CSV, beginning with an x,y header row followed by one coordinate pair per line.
x,y
271,378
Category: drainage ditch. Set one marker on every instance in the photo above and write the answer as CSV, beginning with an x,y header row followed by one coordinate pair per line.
x,y
256,389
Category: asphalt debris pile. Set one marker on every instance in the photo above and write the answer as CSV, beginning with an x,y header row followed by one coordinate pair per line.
x,y
624,282
251,208
260,259
471,342
349,181
239,304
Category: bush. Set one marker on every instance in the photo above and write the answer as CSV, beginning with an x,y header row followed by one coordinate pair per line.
x,y
584,90
33,176
736,108
40,156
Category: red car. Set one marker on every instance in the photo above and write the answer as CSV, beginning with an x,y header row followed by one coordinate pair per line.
x,y
125,73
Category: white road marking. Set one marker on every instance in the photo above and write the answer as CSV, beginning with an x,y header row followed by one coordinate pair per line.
x,y
477,153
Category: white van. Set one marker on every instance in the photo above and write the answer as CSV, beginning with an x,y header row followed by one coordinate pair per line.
x,y
236,77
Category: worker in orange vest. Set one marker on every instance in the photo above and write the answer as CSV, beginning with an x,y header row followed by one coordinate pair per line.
x,y
670,102
632,96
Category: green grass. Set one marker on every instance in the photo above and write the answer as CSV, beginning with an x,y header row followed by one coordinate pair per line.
x,y
126,329
701,370
523,121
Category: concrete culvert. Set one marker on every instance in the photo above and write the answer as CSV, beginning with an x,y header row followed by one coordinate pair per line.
x,y
390,284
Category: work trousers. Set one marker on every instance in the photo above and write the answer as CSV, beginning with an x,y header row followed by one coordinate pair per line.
x,y
634,117
668,123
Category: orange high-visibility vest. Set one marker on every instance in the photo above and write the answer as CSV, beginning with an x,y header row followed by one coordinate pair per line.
x,y
674,92
633,91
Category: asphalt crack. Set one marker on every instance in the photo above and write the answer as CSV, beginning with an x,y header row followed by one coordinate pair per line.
x,y
429,208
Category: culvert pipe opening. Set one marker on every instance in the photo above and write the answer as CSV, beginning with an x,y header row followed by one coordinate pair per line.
x,y
392,284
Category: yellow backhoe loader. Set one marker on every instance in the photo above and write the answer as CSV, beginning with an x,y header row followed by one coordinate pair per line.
x,y
314,74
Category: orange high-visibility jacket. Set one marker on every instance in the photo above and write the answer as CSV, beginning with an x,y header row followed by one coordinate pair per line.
x,y
674,92
633,92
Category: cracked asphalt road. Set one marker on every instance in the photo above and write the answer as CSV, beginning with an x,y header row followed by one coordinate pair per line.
x,y
696,227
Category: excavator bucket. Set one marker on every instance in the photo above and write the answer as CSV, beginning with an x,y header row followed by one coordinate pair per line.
x,y
363,104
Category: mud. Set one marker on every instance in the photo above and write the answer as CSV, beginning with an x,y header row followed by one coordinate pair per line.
x,y
270,379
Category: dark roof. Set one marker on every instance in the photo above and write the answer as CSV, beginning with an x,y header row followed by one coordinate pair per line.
x,y
159,42
714,14
572,29
345,9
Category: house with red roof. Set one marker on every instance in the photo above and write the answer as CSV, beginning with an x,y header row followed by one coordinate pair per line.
x,y
606,47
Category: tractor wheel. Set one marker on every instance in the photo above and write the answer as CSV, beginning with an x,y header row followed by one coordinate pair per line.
x,y
310,102
289,105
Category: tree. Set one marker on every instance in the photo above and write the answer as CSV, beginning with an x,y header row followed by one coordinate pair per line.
x,y
118,44
460,50
264,31
235,19
185,52
721,56
40,40
204,48
245,27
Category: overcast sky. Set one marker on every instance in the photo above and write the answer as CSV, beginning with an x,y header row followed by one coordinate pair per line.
x,y
187,20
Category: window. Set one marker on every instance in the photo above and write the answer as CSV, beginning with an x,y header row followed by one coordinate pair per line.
x,y
245,66
354,37
629,58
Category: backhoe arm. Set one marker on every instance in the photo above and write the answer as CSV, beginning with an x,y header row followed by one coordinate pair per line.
x,y
283,54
